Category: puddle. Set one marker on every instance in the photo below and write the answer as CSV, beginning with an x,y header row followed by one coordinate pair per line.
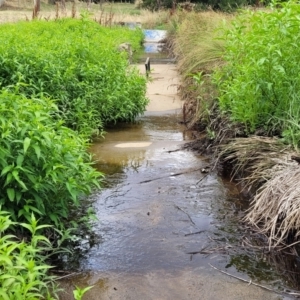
x,y
156,212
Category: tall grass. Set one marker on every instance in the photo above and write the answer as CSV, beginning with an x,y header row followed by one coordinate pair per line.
x,y
196,43
199,52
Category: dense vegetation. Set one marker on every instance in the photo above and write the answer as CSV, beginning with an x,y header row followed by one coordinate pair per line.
x,y
251,59
223,5
259,83
44,165
77,63
241,84
24,272
60,82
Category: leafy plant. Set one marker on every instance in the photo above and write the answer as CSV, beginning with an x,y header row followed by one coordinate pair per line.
x,y
44,165
78,293
24,272
76,63
259,84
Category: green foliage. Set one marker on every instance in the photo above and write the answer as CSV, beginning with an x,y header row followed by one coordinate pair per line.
x,y
77,63
44,165
78,293
228,5
223,5
260,83
23,272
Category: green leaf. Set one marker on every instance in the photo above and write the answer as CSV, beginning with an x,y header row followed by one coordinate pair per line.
x,y
26,144
6,260
37,150
7,281
15,174
20,160
11,194
7,169
4,295
28,226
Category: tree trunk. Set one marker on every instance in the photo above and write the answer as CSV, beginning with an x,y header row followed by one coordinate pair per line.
x,y
101,4
36,8
88,3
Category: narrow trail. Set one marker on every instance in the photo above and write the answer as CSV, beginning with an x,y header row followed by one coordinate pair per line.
x,y
158,220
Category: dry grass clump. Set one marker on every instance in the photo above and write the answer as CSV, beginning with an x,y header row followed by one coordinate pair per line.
x,y
196,45
276,207
198,51
268,165
255,158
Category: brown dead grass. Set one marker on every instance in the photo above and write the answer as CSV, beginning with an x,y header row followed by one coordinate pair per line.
x,y
266,164
276,207
198,51
196,45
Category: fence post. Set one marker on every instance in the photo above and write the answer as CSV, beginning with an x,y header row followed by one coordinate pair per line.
x,y
147,66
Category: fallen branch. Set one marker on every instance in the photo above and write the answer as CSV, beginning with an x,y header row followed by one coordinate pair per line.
x,y
176,150
197,252
192,233
202,178
173,175
256,284
186,214
209,251
68,275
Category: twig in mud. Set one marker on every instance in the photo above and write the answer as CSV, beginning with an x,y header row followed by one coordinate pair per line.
x,y
208,251
176,150
256,284
221,250
197,232
65,276
197,252
186,214
202,178
173,175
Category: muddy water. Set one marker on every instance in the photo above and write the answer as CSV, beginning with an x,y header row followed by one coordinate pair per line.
x,y
164,217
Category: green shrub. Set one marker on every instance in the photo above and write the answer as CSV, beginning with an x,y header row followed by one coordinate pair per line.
x,y
78,64
260,83
44,165
24,272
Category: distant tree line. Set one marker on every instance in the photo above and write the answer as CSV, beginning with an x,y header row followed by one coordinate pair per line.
x,y
224,5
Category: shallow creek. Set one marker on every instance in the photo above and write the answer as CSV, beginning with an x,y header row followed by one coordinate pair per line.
x,y
164,216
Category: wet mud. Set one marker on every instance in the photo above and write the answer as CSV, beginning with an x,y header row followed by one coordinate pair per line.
x,y
164,217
